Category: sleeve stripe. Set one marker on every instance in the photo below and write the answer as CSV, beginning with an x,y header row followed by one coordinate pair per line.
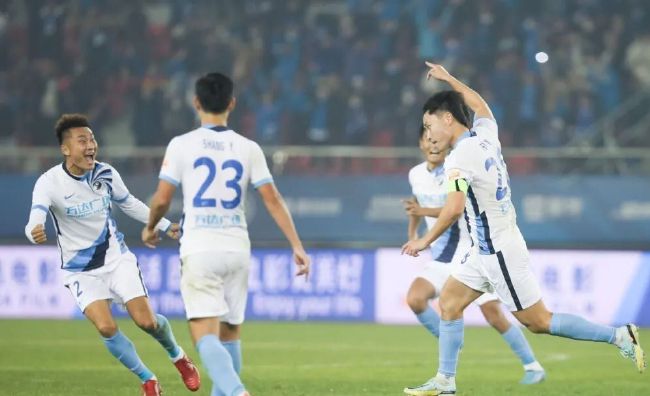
x,y
262,182
41,207
120,200
170,180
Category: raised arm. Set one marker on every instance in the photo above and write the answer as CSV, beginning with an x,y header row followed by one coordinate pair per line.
x,y
478,105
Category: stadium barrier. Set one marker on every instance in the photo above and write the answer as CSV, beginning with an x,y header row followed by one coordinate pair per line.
x,y
553,211
345,285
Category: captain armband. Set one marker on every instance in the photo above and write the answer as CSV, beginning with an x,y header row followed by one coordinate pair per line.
x,y
457,185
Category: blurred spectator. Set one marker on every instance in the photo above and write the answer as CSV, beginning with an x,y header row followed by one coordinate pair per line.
x,y
638,59
317,72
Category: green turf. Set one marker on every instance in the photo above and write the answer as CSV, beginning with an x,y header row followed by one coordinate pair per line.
x,y
67,358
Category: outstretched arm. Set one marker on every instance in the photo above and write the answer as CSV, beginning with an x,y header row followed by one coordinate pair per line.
x,y
137,210
160,203
478,105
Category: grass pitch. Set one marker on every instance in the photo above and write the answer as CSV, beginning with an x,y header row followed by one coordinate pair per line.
x,y
67,358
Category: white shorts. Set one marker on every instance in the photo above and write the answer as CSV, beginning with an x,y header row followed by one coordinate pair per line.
x,y
120,285
506,273
215,284
437,274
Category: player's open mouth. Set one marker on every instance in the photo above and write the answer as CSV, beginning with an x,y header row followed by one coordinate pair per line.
x,y
90,158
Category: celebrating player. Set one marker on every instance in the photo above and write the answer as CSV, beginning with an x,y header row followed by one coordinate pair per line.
x,y
478,186
215,166
79,195
427,182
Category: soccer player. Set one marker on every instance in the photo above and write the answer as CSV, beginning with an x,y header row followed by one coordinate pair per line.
x,y
427,182
215,165
478,186
79,195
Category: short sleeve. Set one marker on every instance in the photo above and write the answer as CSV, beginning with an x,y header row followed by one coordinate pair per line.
x,y
260,173
120,192
41,199
411,181
486,128
171,169
458,164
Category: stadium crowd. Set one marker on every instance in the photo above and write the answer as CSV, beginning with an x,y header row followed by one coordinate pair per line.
x,y
316,72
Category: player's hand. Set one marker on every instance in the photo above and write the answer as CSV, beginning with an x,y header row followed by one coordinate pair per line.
x,y
303,262
150,237
413,248
412,207
437,71
174,231
38,234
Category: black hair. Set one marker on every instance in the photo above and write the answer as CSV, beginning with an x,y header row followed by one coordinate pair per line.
x,y
450,101
214,92
69,121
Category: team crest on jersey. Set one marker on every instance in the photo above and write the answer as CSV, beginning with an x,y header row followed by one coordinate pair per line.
x,y
101,179
97,185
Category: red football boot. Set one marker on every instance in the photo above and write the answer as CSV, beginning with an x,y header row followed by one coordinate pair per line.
x,y
189,373
151,388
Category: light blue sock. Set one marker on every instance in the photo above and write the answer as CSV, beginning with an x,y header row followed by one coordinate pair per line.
x,y
451,340
163,334
218,364
519,344
430,320
234,349
124,350
577,328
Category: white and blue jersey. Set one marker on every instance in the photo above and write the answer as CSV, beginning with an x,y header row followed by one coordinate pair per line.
x,y
430,190
476,157
80,208
215,165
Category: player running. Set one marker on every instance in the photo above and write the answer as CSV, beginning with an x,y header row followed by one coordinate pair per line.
x,y
478,186
215,165
429,189
79,195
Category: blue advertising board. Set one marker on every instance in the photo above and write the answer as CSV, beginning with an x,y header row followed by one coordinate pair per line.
x,y
340,287
585,211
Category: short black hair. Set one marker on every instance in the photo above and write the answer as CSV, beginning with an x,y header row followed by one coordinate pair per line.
x,y
214,92
450,101
69,121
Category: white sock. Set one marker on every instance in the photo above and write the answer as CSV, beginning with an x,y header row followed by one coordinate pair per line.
x,y
621,335
450,380
180,355
534,366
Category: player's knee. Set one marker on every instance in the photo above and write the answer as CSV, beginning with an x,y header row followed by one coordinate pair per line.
x,y
147,324
540,324
450,309
416,302
107,329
